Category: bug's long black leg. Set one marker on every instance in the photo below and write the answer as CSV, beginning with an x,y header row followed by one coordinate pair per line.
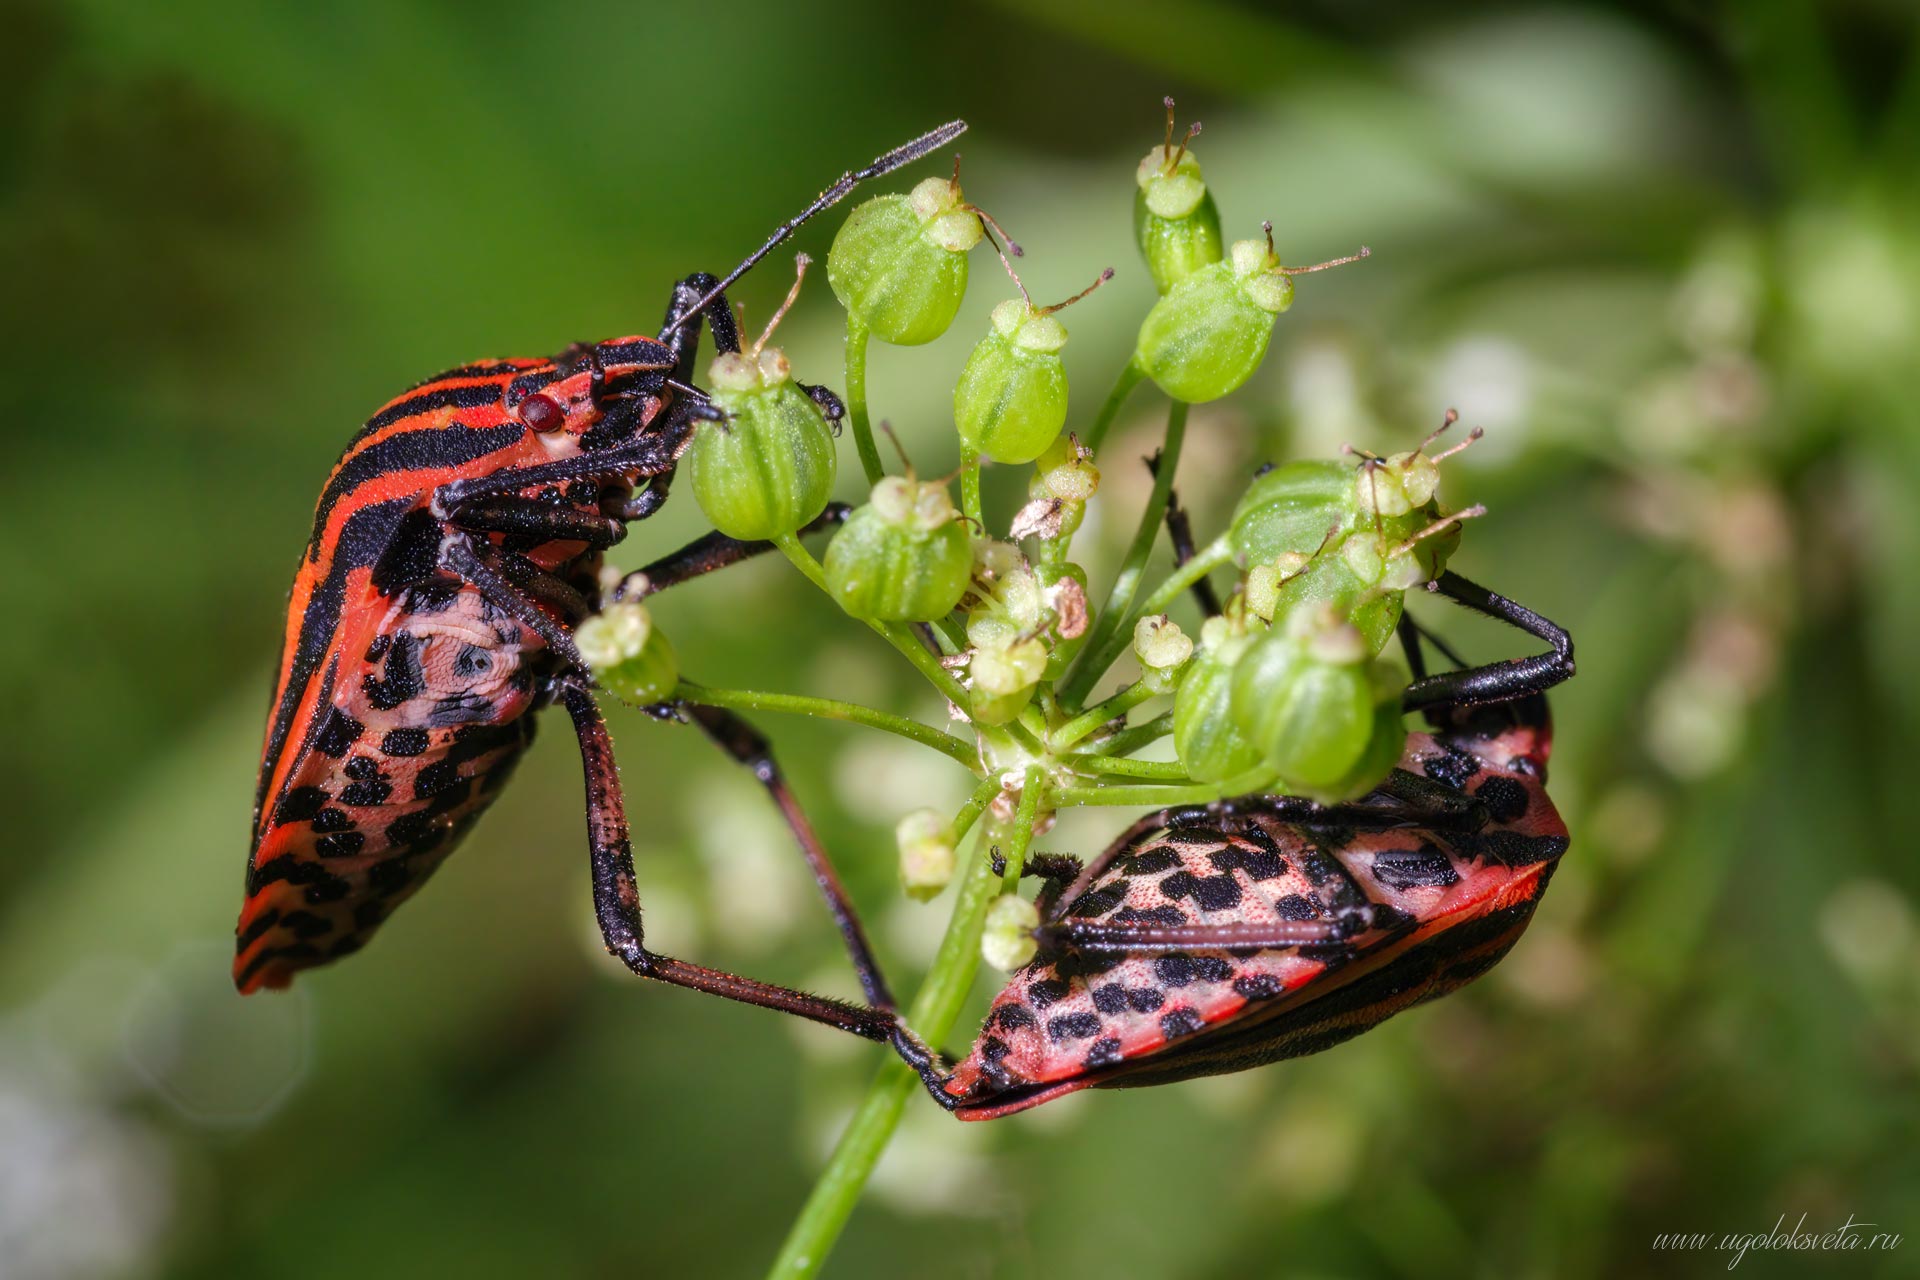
x,y
530,517
1180,534
616,899
710,552
645,455
734,736
1496,681
649,500
694,299
747,746
495,586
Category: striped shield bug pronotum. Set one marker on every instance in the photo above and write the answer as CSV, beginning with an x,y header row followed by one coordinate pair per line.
x,y
456,544
1211,939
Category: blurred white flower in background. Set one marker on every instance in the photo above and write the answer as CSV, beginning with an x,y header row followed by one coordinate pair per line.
x,y
85,1191
758,884
217,1060
1489,379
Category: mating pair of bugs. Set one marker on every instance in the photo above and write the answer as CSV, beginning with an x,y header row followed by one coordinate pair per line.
x,y
457,543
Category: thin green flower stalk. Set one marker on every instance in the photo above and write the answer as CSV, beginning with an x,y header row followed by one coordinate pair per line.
x,y
1108,638
858,418
935,1010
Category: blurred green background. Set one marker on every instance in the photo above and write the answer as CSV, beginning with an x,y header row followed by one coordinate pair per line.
x,y
1665,253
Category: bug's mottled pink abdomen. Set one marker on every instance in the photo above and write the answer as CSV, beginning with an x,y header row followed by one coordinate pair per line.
x,y
1446,906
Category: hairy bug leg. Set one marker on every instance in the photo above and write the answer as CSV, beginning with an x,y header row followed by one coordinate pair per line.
x,y
749,747
648,455
1180,534
709,552
617,905
693,300
532,518
1496,681
649,500
830,406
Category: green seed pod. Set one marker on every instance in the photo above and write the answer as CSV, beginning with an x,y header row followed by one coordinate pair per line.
x,y
1205,338
1175,222
1303,697
1386,741
1293,509
1007,941
1004,676
1328,580
769,468
628,655
1011,400
1205,737
899,263
1163,651
904,557
925,842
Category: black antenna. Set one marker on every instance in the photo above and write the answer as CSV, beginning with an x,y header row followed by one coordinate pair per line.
x,y
894,159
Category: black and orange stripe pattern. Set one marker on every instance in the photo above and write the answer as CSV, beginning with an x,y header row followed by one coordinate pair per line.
x,y
402,696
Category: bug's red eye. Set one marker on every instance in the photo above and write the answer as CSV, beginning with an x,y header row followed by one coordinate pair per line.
x,y
542,414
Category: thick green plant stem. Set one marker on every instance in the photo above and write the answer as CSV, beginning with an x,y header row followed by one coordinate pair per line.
x,y
1171,771
1109,636
1134,737
1095,716
896,635
1158,797
1122,388
832,709
935,1009
1204,562
1020,837
857,399
970,505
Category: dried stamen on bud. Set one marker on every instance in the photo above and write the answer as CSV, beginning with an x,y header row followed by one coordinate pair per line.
x,y
800,264
1440,526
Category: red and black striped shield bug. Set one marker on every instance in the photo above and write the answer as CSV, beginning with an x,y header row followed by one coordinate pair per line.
x,y
1213,939
456,544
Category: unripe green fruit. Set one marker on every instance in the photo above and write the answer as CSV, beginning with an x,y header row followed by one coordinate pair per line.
x,y
1004,677
904,557
1304,698
627,654
1006,940
1011,400
1290,509
769,468
1208,335
1387,740
925,843
1327,580
1175,221
1205,736
899,262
